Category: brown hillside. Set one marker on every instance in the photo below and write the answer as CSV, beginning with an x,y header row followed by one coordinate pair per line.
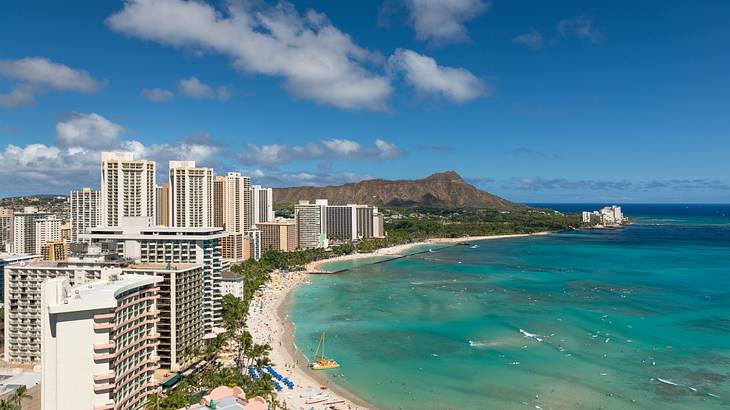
x,y
440,190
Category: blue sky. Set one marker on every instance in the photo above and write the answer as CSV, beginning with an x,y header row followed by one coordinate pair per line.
x,y
534,101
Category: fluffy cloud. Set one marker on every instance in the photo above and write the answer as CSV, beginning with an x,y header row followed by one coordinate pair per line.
x,y
302,178
157,94
532,39
42,71
427,77
37,74
192,87
87,131
581,27
316,60
326,150
73,160
442,21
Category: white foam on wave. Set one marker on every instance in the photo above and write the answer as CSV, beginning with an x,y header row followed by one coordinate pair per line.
x,y
665,381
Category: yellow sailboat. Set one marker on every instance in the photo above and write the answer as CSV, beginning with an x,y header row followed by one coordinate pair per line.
x,y
322,362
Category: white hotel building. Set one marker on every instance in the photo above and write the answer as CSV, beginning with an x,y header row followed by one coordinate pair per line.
x,y
99,342
162,245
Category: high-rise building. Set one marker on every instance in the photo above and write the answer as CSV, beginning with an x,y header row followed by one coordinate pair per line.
x,y
191,195
162,199
349,222
278,235
341,223
262,203
236,202
364,217
6,230
180,310
22,301
378,224
84,211
7,259
174,245
127,188
311,224
47,230
232,246
99,342
24,230
218,198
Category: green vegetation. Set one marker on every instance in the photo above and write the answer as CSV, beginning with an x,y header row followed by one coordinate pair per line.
x,y
14,401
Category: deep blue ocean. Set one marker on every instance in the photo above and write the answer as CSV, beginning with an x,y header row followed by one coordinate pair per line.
x,y
637,317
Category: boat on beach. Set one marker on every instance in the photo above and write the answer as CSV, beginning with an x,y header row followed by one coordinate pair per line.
x,y
321,362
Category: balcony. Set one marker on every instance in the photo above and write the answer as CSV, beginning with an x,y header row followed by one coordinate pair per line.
x,y
102,377
104,346
103,387
103,326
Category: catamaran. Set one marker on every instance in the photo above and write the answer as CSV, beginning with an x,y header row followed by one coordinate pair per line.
x,y
322,362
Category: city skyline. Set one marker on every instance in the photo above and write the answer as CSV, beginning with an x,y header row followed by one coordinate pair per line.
x,y
568,103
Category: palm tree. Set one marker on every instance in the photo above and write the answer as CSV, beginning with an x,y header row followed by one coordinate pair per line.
x,y
8,405
19,394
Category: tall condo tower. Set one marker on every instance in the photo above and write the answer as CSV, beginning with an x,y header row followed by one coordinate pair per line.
x,y
127,188
191,195
262,200
236,202
84,211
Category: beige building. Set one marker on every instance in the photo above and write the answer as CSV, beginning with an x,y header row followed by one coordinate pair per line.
x,y
235,202
162,197
191,195
218,189
180,310
6,229
84,211
99,342
232,246
278,235
54,251
24,230
252,244
127,188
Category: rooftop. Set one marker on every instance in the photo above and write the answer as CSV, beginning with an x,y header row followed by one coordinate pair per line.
x,y
99,294
163,266
228,275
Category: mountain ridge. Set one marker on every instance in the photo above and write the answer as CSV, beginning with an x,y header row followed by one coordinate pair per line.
x,y
439,190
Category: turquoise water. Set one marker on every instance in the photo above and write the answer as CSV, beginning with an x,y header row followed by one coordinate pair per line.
x,y
612,313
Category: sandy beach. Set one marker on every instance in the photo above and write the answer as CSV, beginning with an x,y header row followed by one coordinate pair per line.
x,y
269,323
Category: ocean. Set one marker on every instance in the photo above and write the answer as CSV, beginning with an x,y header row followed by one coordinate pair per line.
x,y
634,318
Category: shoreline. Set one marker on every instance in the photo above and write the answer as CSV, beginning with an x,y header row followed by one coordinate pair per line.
x,y
401,250
269,322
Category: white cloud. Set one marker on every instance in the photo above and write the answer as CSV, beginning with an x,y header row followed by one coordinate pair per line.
x,y
42,71
73,161
21,94
303,178
157,94
34,75
427,77
326,150
192,87
87,131
342,147
532,39
316,60
581,27
442,21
